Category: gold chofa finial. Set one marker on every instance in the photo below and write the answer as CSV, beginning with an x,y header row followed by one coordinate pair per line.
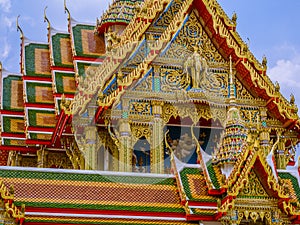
x,y
264,62
46,18
0,66
67,10
292,99
234,18
19,28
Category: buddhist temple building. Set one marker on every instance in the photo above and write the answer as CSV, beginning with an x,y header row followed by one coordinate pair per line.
x,y
158,113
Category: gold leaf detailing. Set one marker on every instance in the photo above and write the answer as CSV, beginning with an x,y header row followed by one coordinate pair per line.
x,y
253,187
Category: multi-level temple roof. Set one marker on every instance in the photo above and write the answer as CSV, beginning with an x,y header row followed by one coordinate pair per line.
x,y
157,114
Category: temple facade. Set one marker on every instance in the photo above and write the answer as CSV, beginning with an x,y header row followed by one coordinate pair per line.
x,y
157,114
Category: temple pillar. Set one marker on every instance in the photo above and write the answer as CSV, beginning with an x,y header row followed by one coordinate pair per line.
x,y
90,147
19,159
115,160
125,148
42,157
12,158
264,135
157,137
157,79
280,155
106,160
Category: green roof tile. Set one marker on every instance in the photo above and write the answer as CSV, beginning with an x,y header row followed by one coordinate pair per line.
x,y
37,60
12,98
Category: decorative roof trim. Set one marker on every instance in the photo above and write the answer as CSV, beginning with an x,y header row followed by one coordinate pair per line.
x,y
98,172
106,216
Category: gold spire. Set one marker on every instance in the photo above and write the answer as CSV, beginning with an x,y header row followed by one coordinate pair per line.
x,y
231,83
19,28
0,66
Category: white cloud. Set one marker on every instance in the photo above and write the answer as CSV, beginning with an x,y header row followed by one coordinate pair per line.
x,y
4,49
5,5
287,73
8,22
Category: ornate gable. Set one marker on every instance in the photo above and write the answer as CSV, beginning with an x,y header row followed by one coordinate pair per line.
x,y
253,188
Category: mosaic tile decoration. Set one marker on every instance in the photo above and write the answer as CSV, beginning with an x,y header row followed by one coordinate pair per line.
x,y
12,98
292,185
101,221
13,124
61,50
195,186
37,92
41,118
37,60
93,191
86,43
65,82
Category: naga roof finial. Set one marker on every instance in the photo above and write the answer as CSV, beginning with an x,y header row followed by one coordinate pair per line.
x,y
234,18
277,86
264,62
292,99
0,66
19,28
46,19
67,10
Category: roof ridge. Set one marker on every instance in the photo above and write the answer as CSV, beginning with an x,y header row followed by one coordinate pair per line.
x,y
87,172
257,70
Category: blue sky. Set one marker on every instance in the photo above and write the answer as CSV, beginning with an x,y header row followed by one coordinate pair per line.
x,y
270,27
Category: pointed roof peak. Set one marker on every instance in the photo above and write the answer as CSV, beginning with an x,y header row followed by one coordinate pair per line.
x,y
116,13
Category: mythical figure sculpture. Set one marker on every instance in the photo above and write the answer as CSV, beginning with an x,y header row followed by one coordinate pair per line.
x,y
112,38
195,66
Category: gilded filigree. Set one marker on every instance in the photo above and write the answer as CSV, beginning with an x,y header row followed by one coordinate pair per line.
x,y
144,85
174,79
168,16
59,160
29,161
205,58
253,187
110,88
139,54
143,108
188,110
241,91
192,34
139,131
168,111
214,82
250,116
207,112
